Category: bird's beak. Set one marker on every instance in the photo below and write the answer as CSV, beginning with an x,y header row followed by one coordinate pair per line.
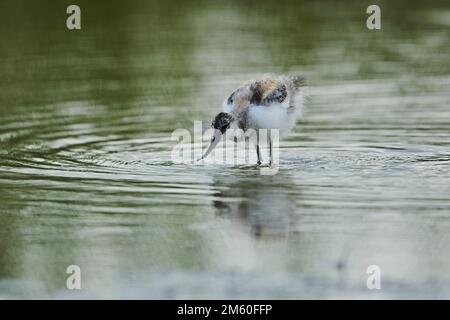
x,y
214,141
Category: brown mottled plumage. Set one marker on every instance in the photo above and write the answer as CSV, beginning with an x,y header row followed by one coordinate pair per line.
x,y
265,91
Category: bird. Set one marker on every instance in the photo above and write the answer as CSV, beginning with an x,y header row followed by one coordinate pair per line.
x,y
270,102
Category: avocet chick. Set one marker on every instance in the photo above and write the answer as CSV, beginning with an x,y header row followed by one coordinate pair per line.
x,y
267,103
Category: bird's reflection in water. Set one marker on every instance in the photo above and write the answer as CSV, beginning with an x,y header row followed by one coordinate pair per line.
x,y
264,204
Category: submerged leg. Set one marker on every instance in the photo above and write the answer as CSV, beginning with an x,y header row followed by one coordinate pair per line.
x,y
270,150
258,154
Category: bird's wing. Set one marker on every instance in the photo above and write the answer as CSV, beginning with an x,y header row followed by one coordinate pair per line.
x,y
276,91
265,91
271,90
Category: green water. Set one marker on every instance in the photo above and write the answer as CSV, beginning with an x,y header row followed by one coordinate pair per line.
x,y
86,176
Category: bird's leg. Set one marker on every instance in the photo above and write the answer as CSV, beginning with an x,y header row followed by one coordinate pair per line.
x,y
258,154
270,149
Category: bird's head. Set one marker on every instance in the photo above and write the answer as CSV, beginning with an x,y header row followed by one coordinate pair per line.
x,y
221,123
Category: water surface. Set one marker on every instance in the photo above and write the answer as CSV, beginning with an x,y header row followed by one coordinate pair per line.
x,y
86,176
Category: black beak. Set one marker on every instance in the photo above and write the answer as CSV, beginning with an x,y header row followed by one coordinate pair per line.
x,y
214,141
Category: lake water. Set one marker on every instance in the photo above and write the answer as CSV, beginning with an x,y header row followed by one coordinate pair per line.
x,y
86,176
